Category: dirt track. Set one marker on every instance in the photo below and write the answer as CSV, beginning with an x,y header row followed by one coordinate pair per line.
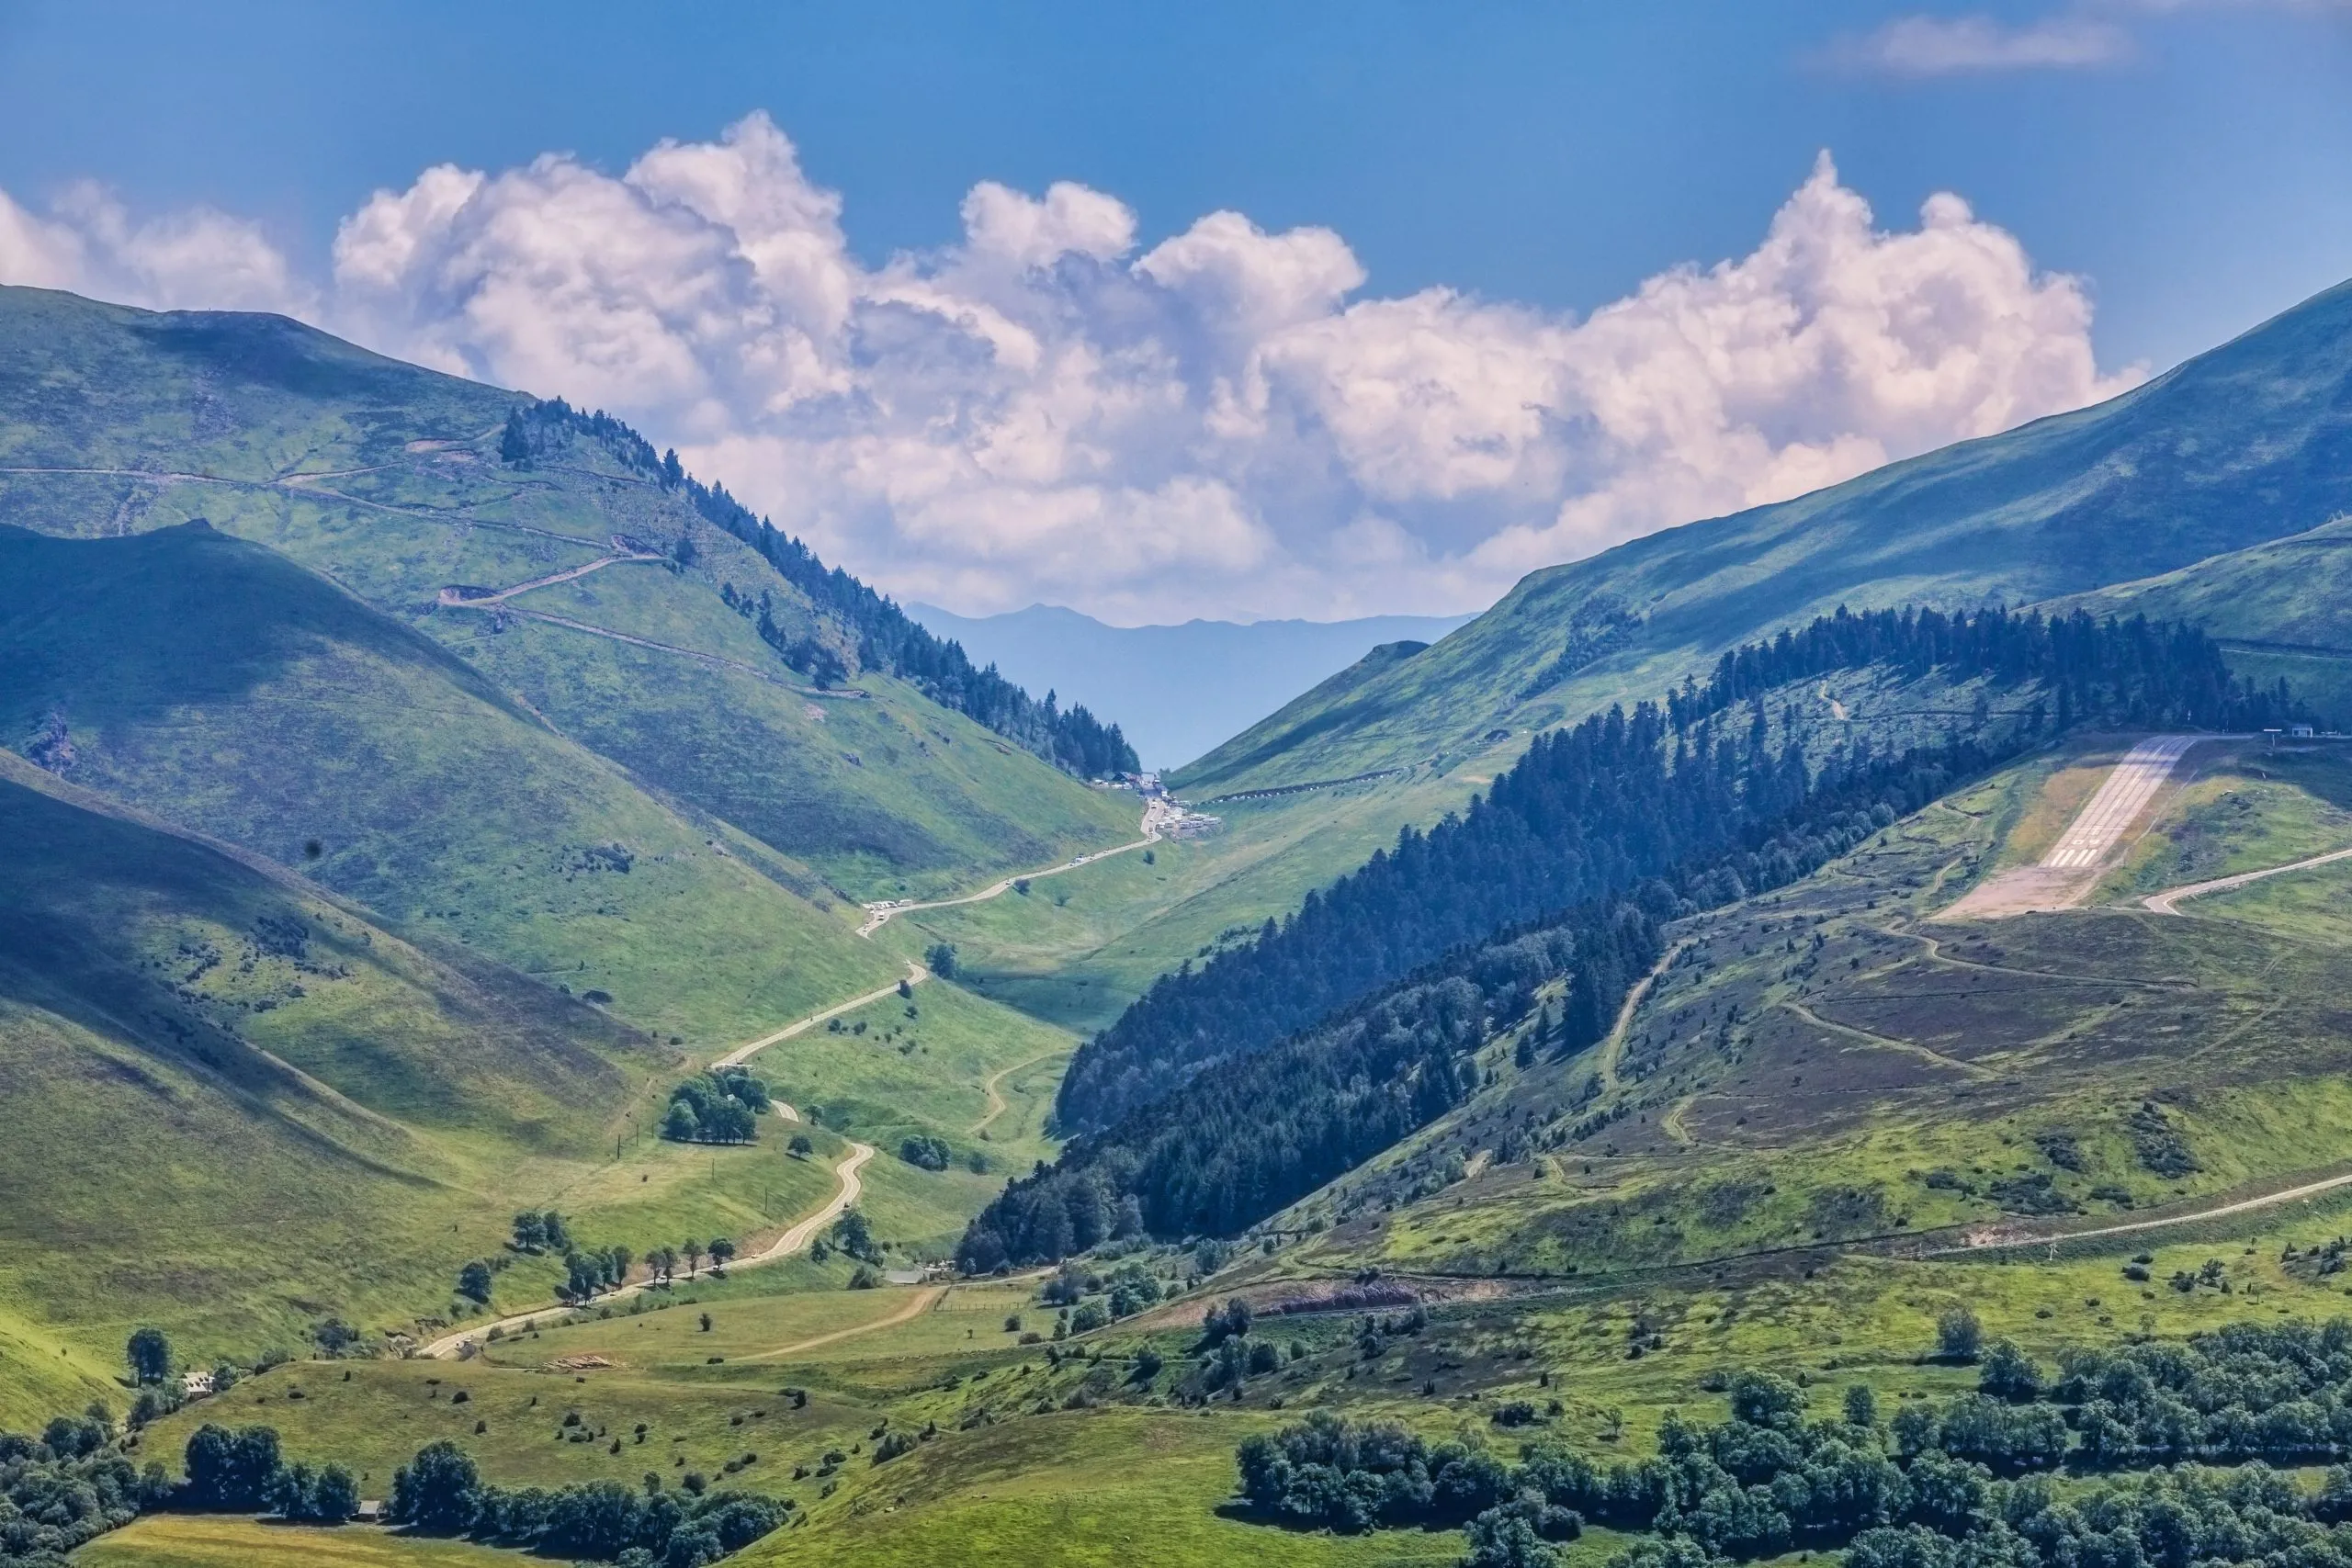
x,y
797,1239
2164,903
880,914
916,976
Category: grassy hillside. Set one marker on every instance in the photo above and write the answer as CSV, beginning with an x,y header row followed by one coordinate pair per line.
x,y
239,1106
216,683
2283,610
1759,1191
388,478
2250,442
1835,1062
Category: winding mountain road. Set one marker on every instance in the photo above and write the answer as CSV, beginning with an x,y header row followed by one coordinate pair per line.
x,y
450,1347
1156,812
996,1098
923,1301
458,598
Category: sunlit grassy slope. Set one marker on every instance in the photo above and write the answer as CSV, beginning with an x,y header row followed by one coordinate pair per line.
x,y
200,1540
218,685
237,1105
240,1105
386,478
1809,1059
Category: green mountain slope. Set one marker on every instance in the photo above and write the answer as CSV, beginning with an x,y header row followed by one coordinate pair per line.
x,y
237,1105
388,478
2248,443
222,687
1844,1060
2281,609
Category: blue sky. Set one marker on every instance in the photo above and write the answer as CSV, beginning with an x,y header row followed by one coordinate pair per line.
x,y
1556,153
2185,161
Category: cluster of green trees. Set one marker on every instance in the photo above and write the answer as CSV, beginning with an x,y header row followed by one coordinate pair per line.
x,y
74,1483
925,1152
722,1106
540,1230
1940,1486
67,1486
589,1274
441,1492
1596,808
888,638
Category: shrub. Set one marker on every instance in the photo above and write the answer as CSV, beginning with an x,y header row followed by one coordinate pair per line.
x,y
925,1152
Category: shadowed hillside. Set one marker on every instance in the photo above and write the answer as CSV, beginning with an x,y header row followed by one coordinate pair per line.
x,y
222,686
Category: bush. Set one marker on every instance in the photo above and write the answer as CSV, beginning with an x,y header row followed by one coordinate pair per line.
x,y
926,1153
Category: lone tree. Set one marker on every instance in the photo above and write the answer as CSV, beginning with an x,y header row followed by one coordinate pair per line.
x,y
940,959
722,1253
150,1355
1959,1334
473,1282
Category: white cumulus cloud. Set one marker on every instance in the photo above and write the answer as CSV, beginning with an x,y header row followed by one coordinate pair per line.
x,y
1947,45
1223,422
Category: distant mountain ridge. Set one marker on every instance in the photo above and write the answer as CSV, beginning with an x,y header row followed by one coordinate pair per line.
x,y
1177,689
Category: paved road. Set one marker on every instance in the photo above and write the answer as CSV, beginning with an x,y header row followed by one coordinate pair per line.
x,y
916,976
2163,903
1155,812
450,1346
2127,790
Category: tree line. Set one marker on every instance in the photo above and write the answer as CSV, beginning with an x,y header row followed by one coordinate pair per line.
x,y
440,1491
2138,674
74,1483
1596,808
888,638
1960,1484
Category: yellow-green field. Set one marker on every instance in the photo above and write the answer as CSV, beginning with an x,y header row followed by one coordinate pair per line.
x,y
189,1540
